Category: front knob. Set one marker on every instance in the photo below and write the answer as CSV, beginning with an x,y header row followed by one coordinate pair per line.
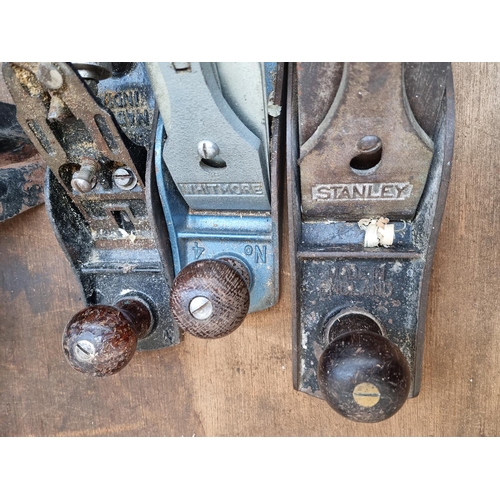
x,y
364,376
210,298
100,340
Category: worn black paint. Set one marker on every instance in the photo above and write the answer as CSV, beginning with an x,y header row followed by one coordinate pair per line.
x,y
18,192
12,135
333,272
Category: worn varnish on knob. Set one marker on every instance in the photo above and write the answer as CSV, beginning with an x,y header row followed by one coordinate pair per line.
x,y
364,376
210,298
100,340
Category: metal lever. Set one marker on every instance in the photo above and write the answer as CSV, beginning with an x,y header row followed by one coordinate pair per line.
x,y
100,187
216,161
369,155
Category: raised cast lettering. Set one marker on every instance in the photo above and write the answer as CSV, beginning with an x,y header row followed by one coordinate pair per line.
x,y
361,280
367,191
219,188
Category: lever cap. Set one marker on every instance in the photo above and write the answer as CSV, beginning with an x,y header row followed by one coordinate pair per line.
x,y
209,298
99,340
364,376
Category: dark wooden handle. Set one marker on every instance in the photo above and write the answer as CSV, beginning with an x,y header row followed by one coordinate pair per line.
x,y
364,376
100,340
210,298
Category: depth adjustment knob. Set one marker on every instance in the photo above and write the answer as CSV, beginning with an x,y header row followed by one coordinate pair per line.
x,y
362,374
100,340
210,298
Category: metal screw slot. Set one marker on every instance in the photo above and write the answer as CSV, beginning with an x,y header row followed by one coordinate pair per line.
x,y
181,66
84,351
124,179
94,70
366,394
209,152
201,308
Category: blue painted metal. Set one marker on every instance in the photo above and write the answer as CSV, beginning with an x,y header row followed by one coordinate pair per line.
x,y
251,237
270,69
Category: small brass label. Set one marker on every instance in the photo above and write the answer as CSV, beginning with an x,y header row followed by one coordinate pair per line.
x,y
366,395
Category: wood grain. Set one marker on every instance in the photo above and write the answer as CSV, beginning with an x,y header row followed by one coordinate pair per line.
x,y
224,287
241,385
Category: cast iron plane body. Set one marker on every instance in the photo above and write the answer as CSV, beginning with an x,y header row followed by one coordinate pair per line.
x,y
226,206
21,169
365,142
114,237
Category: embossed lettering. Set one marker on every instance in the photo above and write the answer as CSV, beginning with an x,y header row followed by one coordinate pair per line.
x,y
366,191
197,251
361,280
123,98
260,253
129,107
221,188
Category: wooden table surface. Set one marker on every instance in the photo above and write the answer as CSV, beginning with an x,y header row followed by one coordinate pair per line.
x,y
241,385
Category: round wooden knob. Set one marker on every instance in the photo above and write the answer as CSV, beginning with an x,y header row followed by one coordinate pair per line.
x,y
364,376
100,340
210,298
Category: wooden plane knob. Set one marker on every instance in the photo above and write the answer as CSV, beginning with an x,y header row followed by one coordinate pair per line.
x,y
364,376
100,340
210,298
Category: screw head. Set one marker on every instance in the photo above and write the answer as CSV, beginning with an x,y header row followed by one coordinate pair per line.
x,y
49,76
82,185
124,179
84,351
369,143
201,308
208,150
84,180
